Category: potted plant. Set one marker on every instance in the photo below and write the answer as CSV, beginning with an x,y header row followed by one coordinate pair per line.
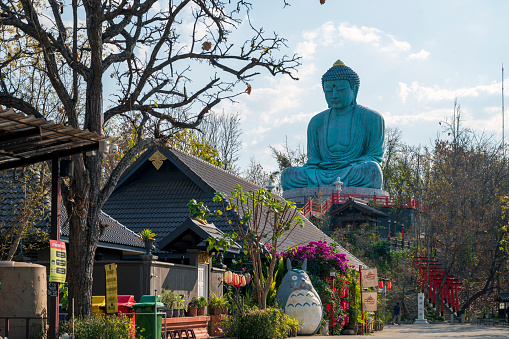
x,y
168,299
179,305
192,308
218,305
148,239
202,304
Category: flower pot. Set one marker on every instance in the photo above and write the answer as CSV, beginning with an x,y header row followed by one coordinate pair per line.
x,y
349,330
324,329
176,313
192,311
216,310
201,310
224,310
149,245
169,312
182,312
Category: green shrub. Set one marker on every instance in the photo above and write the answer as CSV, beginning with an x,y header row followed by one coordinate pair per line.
x,y
270,323
109,327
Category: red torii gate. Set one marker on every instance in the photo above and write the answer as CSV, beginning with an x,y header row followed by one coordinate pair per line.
x,y
431,282
448,293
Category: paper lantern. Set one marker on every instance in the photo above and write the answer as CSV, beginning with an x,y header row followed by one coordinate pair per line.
x,y
380,284
236,279
243,281
248,278
228,277
389,285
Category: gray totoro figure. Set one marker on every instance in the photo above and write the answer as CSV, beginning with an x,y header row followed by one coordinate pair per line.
x,y
298,298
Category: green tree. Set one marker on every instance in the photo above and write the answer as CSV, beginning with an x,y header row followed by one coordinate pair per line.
x,y
261,222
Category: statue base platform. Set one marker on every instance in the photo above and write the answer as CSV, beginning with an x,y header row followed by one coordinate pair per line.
x,y
421,321
303,194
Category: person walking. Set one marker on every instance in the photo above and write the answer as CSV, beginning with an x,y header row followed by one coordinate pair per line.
x,y
397,314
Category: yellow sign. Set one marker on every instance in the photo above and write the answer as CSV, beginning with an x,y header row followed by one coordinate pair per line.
x,y
111,288
203,258
58,261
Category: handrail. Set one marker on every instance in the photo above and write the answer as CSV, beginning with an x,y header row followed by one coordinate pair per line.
x,y
27,326
341,198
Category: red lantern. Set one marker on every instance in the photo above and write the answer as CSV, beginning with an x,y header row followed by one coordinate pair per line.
x,y
389,285
342,293
380,284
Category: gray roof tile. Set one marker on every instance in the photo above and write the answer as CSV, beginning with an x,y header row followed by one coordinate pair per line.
x,y
157,199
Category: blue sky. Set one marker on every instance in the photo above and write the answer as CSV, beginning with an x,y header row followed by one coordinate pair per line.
x,y
413,58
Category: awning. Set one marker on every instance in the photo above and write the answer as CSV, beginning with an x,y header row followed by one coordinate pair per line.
x,y
26,140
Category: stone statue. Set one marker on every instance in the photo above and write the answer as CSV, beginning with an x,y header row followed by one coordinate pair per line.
x,y
346,140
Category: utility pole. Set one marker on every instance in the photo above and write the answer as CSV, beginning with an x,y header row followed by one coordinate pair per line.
x,y
503,115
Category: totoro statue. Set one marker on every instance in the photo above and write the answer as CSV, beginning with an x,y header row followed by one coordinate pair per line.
x,y
298,298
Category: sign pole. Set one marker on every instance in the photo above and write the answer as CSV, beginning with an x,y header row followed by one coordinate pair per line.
x,y
55,235
362,308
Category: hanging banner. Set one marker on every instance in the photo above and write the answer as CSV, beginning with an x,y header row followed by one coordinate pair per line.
x,y
58,261
111,288
369,299
369,277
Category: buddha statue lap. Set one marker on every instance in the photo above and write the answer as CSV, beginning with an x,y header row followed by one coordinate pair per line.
x,y
346,140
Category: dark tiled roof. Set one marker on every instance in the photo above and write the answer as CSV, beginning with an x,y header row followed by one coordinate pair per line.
x,y
192,230
12,196
157,199
359,205
114,233
503,296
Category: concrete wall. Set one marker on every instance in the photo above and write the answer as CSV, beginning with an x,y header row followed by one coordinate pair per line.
x,y
23,293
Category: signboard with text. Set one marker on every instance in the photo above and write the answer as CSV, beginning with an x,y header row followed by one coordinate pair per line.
x,y
58,261
369,277
369,299
111,288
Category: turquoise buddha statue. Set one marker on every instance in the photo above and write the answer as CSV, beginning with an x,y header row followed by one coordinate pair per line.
x,y
346,140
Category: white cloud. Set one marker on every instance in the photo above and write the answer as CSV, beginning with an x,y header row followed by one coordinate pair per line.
x,y
259,130
403,92
297,118
306,49
398,119
330,35
142,52
421,55
395,47
435,93
362,34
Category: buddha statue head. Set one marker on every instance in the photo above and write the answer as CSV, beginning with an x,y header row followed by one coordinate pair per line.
x,y
339,71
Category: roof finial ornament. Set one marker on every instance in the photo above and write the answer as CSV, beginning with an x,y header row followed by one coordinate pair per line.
x,y
157,159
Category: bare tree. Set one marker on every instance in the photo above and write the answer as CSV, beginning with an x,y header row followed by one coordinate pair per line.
x,y
464,188
157,57
256,173
222,131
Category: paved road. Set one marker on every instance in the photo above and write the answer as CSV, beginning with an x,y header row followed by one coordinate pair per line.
x,y
464,331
